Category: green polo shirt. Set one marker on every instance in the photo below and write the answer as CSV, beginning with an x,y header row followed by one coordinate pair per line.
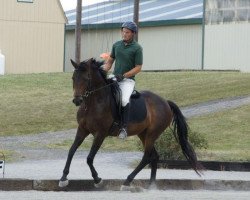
x,y
126,56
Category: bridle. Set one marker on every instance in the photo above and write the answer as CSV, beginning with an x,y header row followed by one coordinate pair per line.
x,y
89,91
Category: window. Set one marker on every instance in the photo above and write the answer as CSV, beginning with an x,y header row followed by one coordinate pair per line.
x,y
227,11
25,1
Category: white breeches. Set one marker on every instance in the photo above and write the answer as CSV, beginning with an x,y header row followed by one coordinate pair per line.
x,y
127,87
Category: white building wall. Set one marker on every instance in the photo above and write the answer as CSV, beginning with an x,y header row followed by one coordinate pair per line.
x,y
164,48
172,47
32,36
93,43
227,47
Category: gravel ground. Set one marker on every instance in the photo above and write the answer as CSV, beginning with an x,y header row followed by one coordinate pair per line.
x,y
34,147
215,106
115,165
36,161
155,194
39,162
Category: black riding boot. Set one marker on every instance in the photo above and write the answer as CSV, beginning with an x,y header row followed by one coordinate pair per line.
x,y
125,113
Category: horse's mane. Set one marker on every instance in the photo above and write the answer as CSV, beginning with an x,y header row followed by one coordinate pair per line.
x,y
99,65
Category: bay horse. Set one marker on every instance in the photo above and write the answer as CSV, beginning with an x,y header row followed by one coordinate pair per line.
x,y
92,93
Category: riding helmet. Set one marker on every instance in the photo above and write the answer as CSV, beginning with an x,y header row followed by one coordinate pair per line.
x,y
130,25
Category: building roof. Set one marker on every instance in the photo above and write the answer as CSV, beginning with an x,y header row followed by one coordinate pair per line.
x,y
118,11
62,11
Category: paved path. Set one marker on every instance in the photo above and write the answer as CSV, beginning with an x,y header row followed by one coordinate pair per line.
x,y
44,163
147,195
215,106
34,147
110,166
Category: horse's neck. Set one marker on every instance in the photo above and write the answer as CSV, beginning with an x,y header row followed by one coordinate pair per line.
x,y
96,109
99,101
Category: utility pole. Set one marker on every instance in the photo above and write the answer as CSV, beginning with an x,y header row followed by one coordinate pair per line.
x,y
78,31
203,34
136,16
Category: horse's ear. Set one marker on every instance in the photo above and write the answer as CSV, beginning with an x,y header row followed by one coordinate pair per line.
x,y
96,63
74,64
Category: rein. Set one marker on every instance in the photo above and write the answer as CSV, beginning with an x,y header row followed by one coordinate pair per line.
x,y
89,92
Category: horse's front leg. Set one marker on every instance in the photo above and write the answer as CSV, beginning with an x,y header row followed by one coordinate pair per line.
x,y
98,140
80,136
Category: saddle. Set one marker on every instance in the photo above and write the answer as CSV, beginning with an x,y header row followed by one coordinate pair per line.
x,y
137,110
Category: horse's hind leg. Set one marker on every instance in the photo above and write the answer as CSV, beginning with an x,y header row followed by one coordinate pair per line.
x,y
150,156
154,162
80,136
145,160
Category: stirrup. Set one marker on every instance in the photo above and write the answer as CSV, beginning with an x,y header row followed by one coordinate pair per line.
x,y
123,133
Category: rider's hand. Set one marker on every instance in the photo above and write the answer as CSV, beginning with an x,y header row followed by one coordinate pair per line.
x,y
119,77
104,68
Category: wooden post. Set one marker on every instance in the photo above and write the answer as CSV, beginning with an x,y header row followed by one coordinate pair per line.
x,y
78,31
136,16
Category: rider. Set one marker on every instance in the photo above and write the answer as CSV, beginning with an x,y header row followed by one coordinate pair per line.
x,y
128,57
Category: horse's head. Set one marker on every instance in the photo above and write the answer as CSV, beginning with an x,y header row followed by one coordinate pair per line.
x,y
87,75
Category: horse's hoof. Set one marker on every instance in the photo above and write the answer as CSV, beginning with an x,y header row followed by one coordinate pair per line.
x,y
125,188
63,183
132,189
152,186
99,185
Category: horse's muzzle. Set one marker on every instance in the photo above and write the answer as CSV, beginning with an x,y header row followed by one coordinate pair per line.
x,y
77,101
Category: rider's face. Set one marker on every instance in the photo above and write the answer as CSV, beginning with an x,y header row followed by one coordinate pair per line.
x,y
127,35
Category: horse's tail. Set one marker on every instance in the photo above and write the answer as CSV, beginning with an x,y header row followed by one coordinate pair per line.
x,y
181,134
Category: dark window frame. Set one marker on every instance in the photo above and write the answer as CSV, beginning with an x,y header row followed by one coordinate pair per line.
x,y
25,1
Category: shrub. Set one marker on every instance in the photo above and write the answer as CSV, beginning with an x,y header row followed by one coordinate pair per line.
x,y
169,149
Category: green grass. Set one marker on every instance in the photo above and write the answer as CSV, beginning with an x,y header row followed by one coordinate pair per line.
x,y
109,144
227,132
187,88
37,103
9,155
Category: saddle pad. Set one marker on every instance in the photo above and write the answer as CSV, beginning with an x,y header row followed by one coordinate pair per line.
x,y
138,110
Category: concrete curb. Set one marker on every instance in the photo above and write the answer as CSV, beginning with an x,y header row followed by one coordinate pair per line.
x,y
115,184
209,165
